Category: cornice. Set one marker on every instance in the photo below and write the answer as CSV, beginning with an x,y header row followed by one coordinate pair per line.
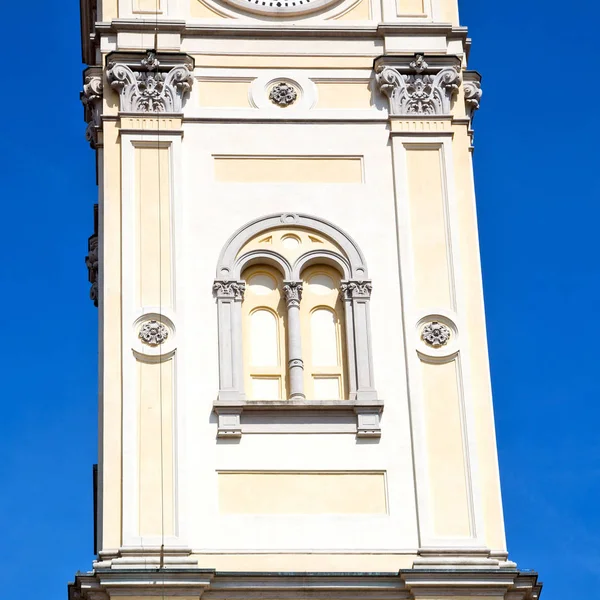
x,y
403,585
287,29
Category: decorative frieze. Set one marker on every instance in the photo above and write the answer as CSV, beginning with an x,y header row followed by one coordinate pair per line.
x,y
283,94
152,82
423,86
92,260
91,97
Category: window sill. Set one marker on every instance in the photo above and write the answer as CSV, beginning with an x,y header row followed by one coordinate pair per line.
x,y
368,413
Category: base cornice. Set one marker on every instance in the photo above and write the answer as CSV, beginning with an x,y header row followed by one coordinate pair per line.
x,y
407,584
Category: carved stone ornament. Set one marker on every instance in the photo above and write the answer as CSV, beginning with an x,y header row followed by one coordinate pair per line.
x,y
153,333
229,289
436,334
91,260
473,92
419,88
91,97
356,289
293,292
149,86
283,94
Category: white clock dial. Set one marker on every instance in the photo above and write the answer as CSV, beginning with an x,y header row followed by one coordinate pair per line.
x,y
281,7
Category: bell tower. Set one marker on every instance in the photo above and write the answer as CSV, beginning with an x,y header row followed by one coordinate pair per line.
x,y
294,396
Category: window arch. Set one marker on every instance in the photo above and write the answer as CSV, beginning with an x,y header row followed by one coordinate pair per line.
x,y
293,295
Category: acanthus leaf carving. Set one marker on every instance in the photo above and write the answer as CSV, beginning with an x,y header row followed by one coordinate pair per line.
x,y
356,289
473,93
419,88
229,289
293,292
91,97
148,86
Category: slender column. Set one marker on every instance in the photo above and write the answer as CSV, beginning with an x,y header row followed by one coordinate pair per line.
x,y
293,295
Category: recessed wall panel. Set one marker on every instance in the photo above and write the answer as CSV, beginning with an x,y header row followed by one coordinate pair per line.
x,y
155,448
153,225
429,228
288,169
304,493
450,511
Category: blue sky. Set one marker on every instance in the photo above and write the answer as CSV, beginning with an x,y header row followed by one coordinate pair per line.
x,y
536,167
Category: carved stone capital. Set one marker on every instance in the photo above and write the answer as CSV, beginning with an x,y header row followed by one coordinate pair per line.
x,y
423,86
229,289
92,260
151,82
91,97
293,292
356,289
473,92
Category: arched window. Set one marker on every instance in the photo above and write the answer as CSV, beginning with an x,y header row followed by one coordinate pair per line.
x,y
293,296
324,344
263,334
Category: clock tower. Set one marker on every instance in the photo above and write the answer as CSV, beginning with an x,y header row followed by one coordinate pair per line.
x,y
294,393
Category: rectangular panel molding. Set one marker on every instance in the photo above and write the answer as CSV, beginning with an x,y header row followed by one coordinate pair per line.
x,y
302,493
288,169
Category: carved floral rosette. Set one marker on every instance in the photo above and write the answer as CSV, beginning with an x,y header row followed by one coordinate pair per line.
x,y
151,83
424,86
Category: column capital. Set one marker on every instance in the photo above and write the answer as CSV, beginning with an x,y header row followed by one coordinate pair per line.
x,y
151,82
419,85
91,98
293,292
356,289
229,289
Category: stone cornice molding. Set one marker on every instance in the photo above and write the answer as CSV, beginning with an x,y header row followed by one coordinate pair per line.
x,y
406,584
290,29
419,85
151,82
91,98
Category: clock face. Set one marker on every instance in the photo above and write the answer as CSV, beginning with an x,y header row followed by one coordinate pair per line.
x,y
282,8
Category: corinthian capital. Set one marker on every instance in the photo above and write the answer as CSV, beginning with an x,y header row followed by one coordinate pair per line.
x,y
229,289
293,292
151,82
91,97
356,289
424,85
473,92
